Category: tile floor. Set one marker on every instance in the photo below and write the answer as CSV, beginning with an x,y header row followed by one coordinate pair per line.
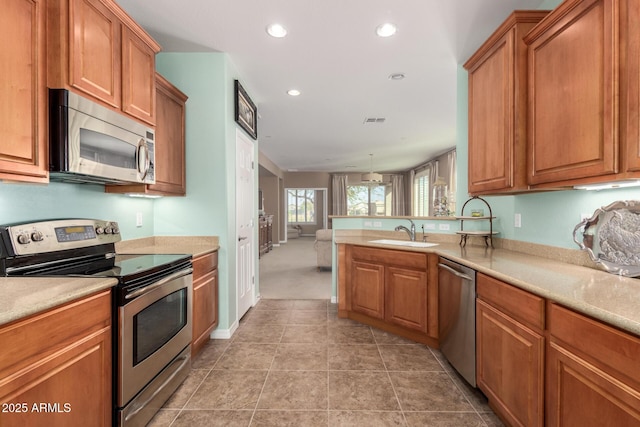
x,y
295,363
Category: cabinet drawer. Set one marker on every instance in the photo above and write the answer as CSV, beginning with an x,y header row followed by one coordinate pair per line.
x,y
596,341
43,334
390,257
204,263
521,305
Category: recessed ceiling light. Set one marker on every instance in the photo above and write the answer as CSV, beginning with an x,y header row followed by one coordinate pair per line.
x,y
293,92
276,30
397,76
386,30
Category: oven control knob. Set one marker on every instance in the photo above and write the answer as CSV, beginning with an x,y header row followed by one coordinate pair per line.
x,y
37,236
115,229
99,230
108,230
23,239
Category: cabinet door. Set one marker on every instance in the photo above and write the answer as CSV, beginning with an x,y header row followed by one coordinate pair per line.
x,y
498,107
23,110
580,394
510,366
573,86
170,139
95,50
205,313
138,77
406,298
367,289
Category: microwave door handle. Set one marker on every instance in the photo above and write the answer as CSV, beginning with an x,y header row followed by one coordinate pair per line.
x,y
142,145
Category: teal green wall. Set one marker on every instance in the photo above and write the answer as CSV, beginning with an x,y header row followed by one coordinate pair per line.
x,y
31,202
209,207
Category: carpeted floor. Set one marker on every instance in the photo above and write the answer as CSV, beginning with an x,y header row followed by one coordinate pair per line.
x,y
290,271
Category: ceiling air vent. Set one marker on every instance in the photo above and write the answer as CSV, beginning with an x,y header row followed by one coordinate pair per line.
x,y
374,120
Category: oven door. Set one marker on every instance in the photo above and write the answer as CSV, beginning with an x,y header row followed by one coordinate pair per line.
x,y
154,327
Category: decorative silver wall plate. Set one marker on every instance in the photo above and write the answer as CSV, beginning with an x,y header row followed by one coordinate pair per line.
x,y
611,237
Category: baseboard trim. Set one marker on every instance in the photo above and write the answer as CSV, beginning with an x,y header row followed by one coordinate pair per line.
x,y
224,334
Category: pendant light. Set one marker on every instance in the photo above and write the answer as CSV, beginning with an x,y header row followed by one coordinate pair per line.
x,y
371,177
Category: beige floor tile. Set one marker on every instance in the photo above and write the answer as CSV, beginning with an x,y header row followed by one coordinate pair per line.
x,y
228,390
212,418
355,357
186,389
294,390
241,355
308,317
350,335
366,418
428,391
275,304
443,419
209,354
300,357
163,418
409,358
257,333
384,337
265,418
305,334
361,390
310,304
267,317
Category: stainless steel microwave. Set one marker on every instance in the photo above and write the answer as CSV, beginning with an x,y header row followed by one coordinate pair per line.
x,y
89,143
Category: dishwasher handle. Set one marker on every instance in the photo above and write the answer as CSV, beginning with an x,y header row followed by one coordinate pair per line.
x,y
457,273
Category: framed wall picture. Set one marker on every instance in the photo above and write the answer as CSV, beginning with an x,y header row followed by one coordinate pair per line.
x,y
246,111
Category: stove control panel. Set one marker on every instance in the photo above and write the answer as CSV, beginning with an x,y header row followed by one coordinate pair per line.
x,y
57,235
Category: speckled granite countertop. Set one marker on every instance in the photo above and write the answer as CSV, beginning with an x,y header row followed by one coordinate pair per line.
x,y
604,296
21,297
194,245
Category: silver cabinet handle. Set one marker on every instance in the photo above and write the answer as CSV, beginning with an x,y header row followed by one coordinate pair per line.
x,y
457,273
159,283
242,238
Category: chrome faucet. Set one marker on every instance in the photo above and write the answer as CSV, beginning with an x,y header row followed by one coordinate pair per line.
x,y
411,233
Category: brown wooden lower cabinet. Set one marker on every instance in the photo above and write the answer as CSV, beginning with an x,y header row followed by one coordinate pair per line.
x,y
510,351
55,367
392,290
593,373
205,299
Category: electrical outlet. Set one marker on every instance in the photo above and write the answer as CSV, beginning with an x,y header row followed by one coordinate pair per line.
x,y
429,226
517,220
444,227
138,219
368,224
377,224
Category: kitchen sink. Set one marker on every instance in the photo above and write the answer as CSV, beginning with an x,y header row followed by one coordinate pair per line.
x,y
404,243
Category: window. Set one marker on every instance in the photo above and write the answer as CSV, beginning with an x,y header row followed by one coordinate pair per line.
x,y
421,193
368,200
301,206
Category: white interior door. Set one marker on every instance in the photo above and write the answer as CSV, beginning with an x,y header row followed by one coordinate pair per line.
x,y
245,212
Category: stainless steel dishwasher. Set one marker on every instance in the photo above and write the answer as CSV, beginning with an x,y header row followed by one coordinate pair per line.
x,y
457,317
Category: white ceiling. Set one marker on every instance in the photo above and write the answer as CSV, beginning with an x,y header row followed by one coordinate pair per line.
x,y
333,56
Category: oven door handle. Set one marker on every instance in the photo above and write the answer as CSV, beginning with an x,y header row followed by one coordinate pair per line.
x,y
159,283
185,359
456,272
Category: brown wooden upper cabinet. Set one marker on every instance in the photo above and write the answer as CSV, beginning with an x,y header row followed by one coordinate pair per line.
x,y
23,110
94,47
583,94
170,145
498,108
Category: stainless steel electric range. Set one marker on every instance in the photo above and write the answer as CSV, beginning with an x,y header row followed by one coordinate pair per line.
x,y
151,310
